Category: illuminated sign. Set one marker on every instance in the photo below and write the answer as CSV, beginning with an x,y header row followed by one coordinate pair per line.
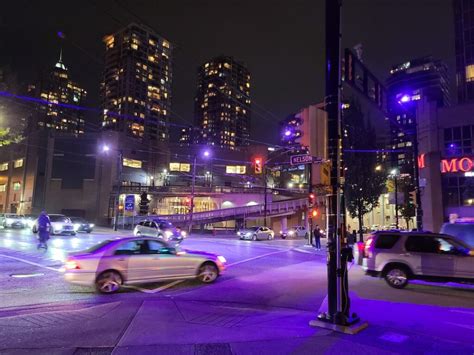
x,y
132,163
235,169
183,167
455,165
421,161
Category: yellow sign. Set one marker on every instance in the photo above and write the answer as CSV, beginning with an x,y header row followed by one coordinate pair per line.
x,y
235,169
183,167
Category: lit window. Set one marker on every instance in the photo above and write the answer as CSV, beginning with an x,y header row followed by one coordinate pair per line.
x,y
152,42
16,186
235,169
109,41
134,46
166,44
3,188
132,163
151,58
470,72
3,166
227,65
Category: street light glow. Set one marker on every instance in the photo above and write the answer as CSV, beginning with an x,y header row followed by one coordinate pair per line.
x,y
207,153
394,172
105,148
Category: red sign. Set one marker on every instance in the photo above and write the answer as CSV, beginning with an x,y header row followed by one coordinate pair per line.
x,y
421,161
455,165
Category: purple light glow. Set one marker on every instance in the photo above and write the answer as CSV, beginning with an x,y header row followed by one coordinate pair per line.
x,y
207,153
452,145
405,98
61,35
287,133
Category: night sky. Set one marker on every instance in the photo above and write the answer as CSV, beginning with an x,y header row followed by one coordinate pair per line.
x,y
282,43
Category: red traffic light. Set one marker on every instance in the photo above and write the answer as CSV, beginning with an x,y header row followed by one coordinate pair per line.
x,y
314,213
311,196
258,165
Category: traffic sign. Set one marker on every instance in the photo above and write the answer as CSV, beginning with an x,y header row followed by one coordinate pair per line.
x,y
301,159
129,202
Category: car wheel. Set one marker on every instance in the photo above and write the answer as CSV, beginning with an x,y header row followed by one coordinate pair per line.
x,y
254,237
160,236
73,233
269,237
138,233
396,277
208,273
283,237
108,282
89,230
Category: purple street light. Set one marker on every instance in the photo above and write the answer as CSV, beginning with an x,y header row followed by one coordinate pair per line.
x,y
207,153
287,133
105,148
405,98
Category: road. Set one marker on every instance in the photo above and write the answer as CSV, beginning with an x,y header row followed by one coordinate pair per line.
x,y
269,292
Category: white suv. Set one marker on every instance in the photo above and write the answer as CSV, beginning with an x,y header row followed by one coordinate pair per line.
x,y
400,256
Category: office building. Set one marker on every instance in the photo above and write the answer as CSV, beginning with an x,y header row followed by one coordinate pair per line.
x,y
136,88
222,103
60,93
408,83
464,46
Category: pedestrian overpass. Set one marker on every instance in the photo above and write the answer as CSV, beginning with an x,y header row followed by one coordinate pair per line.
x,y
274,209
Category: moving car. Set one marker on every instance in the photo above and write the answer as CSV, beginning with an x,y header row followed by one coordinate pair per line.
x,y
401,256
256,233
113,263
297,231
161,229
12,220
60,224
462,229
81,225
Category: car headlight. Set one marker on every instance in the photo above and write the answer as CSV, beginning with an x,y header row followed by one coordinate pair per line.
x,y
9,220
281,232
91,225
168,234
31,223
291,233
77,226
221,259
238,233
184,234
248,234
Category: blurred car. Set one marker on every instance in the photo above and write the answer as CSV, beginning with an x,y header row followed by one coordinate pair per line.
x,y
12,220
60,224
296,231
256,233
462,228
375,227
81,225
29,220
161,229
401,256
113,263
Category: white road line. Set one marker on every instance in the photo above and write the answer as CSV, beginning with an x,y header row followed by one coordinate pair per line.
x,y
161,288
257,257
466,326
31,263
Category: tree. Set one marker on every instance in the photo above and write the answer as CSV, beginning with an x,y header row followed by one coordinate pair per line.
x,y
363,183
8,136
407,208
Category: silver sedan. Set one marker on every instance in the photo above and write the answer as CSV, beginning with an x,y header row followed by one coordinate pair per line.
x,y
113,263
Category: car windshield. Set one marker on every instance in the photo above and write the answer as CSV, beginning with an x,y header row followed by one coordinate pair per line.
x,y
77,220
253,228
56,218
165,225
463,231
96,247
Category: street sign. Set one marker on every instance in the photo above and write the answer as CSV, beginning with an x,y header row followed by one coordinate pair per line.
x,y
301,159
129,203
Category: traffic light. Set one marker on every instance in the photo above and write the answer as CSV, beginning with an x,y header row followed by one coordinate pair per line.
x,y
258,165
314,213
311,199
412,198
144,201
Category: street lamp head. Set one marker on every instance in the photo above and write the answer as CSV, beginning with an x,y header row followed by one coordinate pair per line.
x,y
105,148
378,168
165,171
394,172
207,153
287,133
404,99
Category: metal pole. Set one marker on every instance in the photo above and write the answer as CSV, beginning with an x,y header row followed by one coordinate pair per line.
x,y
119,188
419,209
191,208
265,194
396,200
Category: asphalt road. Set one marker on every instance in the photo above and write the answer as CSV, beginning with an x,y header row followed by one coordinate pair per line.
x,y
277,286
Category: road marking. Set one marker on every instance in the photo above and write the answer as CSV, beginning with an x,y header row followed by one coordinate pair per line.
x,y
161,288
465,312
31,263
257,257
471,327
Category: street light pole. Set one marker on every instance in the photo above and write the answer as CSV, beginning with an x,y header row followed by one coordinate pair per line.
x,y
265,194
119,187
191,208
396,200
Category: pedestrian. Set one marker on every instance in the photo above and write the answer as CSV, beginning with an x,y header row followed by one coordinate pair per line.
x,y
317,237
44,226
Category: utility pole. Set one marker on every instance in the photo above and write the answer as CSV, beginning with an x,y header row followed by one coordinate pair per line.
x,y
119,188
265,193
395,180
338,316
419,208
191,208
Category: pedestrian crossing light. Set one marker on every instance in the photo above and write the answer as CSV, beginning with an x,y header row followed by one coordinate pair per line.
x,y
258,166
311,199
412,198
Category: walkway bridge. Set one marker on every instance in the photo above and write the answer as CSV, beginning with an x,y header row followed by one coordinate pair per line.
x,y
274,209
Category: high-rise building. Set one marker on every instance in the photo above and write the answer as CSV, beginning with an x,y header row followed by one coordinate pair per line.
x,y
464,46
60,92
136,88
408,83
222,103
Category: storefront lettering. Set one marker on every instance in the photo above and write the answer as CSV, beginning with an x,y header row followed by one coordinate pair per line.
x,y
455,165
421,161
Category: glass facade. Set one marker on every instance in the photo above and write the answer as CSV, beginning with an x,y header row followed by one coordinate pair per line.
x,y
464,46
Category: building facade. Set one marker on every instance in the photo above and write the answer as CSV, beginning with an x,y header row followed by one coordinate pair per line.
x,y
222,103
408,83
464,46
136,88
59,93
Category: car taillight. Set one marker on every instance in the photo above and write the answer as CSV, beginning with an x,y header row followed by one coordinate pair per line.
x,y
368,248
71,265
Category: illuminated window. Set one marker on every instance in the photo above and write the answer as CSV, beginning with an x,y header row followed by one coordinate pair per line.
x,y
3,188
470,72
151,58
132,163
3,166
183,167
152,42
134,46
109,41
16,186
235,169
227,65
166,44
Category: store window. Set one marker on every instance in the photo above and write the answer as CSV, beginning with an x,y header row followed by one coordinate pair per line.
x,y
470,72
458,191
458,141
3,166
3,188
18,163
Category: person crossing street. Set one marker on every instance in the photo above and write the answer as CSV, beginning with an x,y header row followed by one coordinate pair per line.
x,y
44,227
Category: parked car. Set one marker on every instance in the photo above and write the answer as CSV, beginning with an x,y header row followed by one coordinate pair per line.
x,y
113,263
256,233
161,229
401,256
12,220
60,224
296,231
462,229
29,220
81,225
